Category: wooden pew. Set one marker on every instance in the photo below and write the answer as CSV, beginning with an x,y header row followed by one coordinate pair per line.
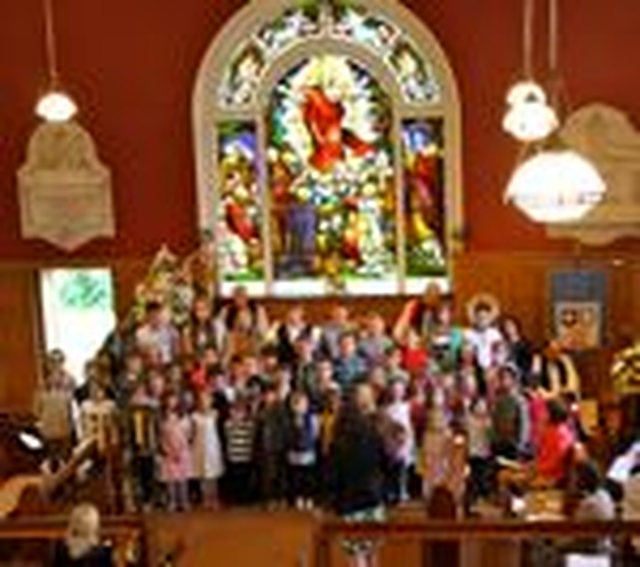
x,y
29,541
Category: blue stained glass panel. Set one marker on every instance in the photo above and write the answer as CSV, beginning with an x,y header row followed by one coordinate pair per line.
x,y
415,77
424,196
345,20
294,24
357,24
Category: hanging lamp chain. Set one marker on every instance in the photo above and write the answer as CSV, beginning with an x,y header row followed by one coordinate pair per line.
x,y
553,36
50,38
528,22
555,76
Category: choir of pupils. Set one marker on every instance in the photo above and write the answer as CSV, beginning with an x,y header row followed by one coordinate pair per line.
x,y
230,409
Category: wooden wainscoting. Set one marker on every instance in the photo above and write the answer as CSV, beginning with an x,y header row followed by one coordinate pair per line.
x,y
18,338
519,280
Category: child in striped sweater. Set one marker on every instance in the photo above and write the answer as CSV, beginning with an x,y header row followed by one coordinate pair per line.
x,y
239,431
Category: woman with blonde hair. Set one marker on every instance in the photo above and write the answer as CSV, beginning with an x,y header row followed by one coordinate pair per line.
x,y
82,546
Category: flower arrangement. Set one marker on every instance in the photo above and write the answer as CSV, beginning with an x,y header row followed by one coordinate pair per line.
x,y
625,370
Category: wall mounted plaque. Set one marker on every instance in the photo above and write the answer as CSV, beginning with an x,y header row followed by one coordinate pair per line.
x,y
606,136
64,191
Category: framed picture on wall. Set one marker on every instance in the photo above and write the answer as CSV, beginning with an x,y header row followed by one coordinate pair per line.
x,y
578,303
578,324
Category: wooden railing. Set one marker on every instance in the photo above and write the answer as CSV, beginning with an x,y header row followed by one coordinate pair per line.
x,y
132,533
331,532
126,534
40,494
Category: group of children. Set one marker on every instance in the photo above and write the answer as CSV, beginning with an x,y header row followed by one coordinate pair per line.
x,y
230,410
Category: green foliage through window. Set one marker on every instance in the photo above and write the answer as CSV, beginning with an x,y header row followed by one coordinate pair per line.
x,y
86,289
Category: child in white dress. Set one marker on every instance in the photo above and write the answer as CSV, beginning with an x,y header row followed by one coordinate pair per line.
x,y
208,462
399,411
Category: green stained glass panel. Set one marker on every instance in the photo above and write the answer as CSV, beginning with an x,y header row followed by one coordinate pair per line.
x,y
239,216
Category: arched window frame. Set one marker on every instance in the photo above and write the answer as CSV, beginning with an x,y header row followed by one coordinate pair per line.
x,y
207,112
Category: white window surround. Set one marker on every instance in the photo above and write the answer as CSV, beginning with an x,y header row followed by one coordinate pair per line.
x,y
78,330
207,112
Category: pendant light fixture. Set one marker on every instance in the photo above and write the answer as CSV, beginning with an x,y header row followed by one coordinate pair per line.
x,y
55,105
554,183
529,115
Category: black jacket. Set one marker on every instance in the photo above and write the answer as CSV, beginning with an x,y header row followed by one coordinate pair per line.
x,y
357,464
100,556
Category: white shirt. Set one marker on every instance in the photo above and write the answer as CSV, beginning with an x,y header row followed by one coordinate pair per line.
x,y
162,339
484,342
400,412
631,503
620,469
596,506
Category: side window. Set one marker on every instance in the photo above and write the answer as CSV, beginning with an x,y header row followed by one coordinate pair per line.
x,y
77,312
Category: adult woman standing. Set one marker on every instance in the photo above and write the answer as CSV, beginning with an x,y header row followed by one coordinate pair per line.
x,y
518,347
357,468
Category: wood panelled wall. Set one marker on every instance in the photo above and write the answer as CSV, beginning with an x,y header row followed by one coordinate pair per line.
x,y
18,338
519,280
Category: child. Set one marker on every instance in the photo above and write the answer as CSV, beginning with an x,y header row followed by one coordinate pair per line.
x,y
375,341
328,417
56,370
157,384
271,447
239,432
129,378
479,440
98,418
393,365
324,383
56,412
377,379
208,464
436,447
302,451
176,453
399,412
349,366
414,355
143,427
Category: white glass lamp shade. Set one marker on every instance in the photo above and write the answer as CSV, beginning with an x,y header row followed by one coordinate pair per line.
x,y
556,186
56,106
530,121
524,91
529,117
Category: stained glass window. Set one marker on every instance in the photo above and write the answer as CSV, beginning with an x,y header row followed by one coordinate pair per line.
x,y
316,20
359,25
333,162
331,177
412,72
239,212
423,200
294,24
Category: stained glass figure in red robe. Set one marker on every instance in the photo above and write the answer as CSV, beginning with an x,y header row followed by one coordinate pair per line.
x,y
323,118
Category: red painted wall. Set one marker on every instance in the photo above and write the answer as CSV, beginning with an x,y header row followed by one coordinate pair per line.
x,y
131,66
